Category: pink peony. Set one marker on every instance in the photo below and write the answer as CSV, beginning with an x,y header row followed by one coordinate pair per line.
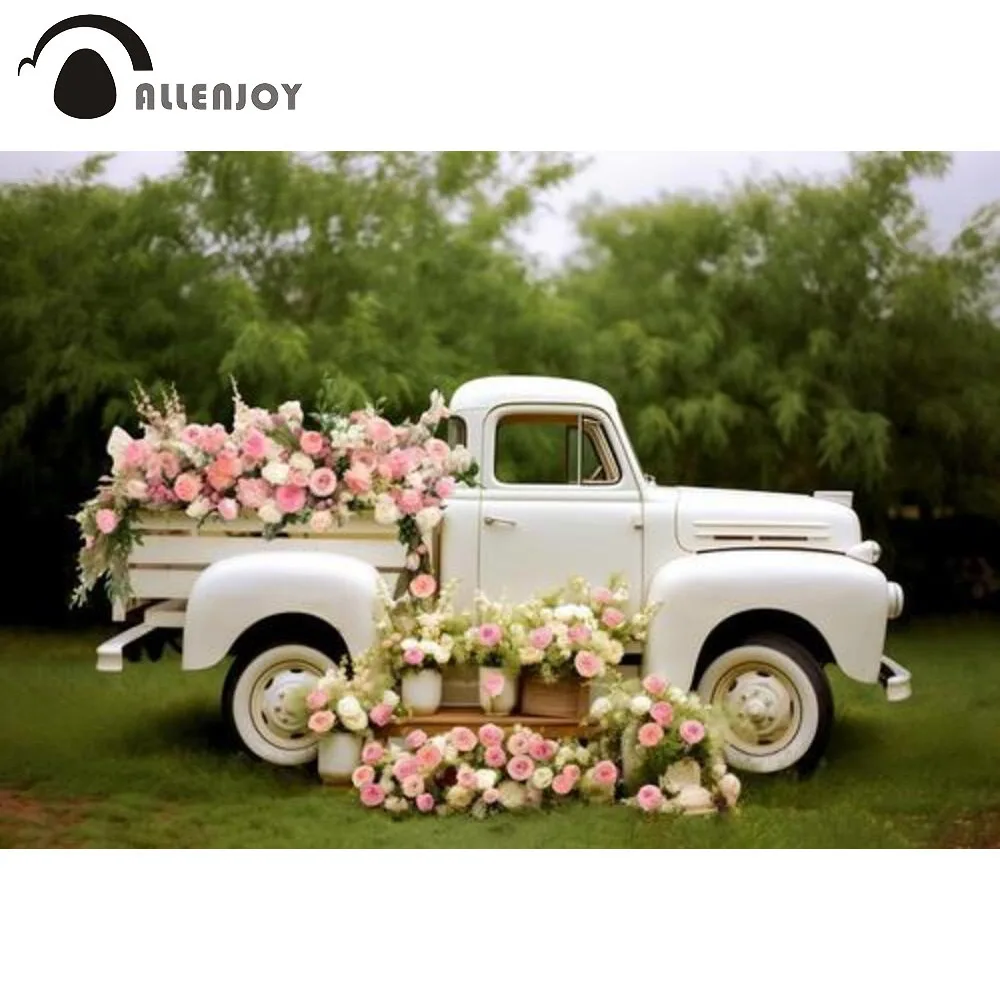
x,y
414,656
363,775
464,739
490,735
413,786
518,743
213,438
490,796
223,472
416,739
311,442
423,586
372,795
323,482
107,521
366,458
316,700
399,464
588,664
612,617
445,487
541,637
381,431
692,731
601,595
372,753
495,757
428,757
663,713
404,767
654,685
192,435
650,798
358,479
380,715
520,768
578,634
187,487
493,683
562,784
290,499
136,452
490,634
650,734
410,502
425,802
228,509
605,773
255,446
322,722
253,493
169,464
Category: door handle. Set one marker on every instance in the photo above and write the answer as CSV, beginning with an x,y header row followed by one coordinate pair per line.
x,y
499,520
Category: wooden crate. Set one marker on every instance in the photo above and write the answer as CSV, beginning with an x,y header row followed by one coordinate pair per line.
x,y
565,699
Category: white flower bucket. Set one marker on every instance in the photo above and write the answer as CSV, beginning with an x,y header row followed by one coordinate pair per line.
x,y
422,691
497,704
339,755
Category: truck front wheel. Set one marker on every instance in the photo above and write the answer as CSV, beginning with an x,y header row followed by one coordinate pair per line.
x,y
774,702
256,700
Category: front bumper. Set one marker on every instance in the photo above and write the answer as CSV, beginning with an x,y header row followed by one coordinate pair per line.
x,y
895,679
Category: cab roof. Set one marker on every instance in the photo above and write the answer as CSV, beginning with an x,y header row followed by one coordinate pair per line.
x,y
498,390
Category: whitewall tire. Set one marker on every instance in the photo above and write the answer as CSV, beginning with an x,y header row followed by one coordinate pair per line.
x,y
773,702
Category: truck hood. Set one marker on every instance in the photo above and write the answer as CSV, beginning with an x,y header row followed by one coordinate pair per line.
x,y
718,519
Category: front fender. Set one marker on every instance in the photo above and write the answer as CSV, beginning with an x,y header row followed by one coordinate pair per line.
x,y
233,594
845,600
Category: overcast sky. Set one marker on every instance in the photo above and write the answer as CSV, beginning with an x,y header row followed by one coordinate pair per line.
x,y
973,181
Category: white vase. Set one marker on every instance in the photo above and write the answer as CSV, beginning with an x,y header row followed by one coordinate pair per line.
x,y
422,691
339,755
502,703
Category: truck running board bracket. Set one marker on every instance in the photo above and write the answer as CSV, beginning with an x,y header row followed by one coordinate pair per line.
x,y
109,654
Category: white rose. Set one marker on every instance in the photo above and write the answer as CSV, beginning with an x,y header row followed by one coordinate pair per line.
x,y
199,508
412,560
729,786
386,512
355,723
409,643
390,698
529,655
615,651
485,778
542,777
349,705
458,796
291,411
600,707
301,462
450,754
276,473
428,519
640,705
268,512
321,521
136,489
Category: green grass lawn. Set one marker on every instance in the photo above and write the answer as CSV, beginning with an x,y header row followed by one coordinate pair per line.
x,y
141,760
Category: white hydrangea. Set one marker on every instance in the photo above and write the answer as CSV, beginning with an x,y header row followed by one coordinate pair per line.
x,y
291,411
542,777
600,707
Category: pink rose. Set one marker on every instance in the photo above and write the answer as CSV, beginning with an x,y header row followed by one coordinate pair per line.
x,y
223,472
572,771
372,795
650,798
214,438
290,499
578,633
367,458
588,664
493,683
520,768
410,502
107,521
612,617
650,734
467,778
423,586
323,482
428,757
322,722
490,796
298,477
399,464
136,452
311,442
358,479
490,634
414,656
255,446
192,435
316,700
372,753
601,595
692,731
404,767
437,450
187,487
416,739
425,802
663,713
169,464
518,743
363,775
252,493
464,739
605,773
490,735
654,685
562,784
541,637
495,757
541,749
413,786
380,715
381,431
445,487
228,509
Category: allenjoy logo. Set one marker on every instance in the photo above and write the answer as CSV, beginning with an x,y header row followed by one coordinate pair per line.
x,y
86,89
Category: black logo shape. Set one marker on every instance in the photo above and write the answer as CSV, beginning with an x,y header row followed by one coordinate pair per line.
x,y
85,87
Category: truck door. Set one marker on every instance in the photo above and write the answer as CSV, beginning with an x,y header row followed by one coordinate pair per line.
x,y
559,500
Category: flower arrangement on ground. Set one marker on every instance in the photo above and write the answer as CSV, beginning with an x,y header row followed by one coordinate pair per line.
x,y
270,467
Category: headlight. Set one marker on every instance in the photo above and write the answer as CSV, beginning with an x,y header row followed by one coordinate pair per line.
x,y
896,601
869,552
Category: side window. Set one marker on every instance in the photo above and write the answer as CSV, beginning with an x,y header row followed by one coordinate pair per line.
x,y
457,434
553,449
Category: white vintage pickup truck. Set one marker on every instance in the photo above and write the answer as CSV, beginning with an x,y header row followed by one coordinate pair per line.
x,y
760,593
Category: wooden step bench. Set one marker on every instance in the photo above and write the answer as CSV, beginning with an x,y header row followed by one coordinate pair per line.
x,y
447,718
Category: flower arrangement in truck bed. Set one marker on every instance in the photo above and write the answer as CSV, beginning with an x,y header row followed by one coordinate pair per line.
x,y
272,468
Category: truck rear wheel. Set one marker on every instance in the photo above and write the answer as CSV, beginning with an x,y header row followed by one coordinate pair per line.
x,y
255,700
774,702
